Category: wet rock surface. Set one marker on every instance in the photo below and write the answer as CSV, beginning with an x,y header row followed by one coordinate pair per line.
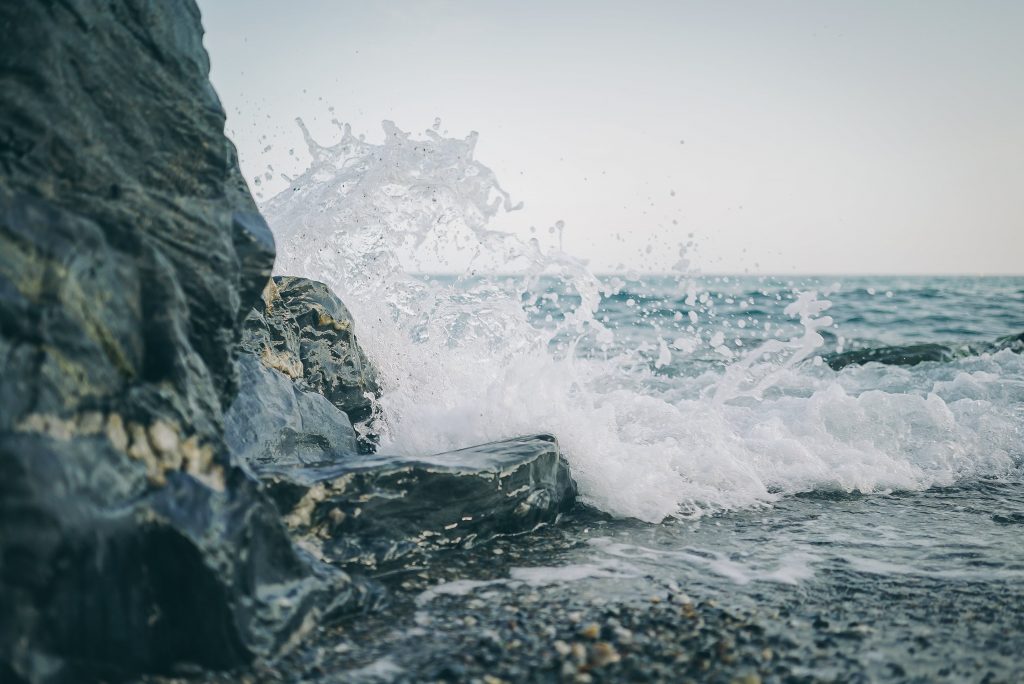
x,y
130,253
273,422
907,355
304,377
302,330
913,354
387,511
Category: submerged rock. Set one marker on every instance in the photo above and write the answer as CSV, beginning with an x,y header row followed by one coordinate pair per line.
x,y
375,510
908,355
913,354
130,253
302,330
1014,343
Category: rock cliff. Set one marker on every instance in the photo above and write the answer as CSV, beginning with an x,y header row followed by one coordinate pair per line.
x,y
130,254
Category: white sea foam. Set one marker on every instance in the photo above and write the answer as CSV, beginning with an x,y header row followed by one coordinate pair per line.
x,y
464,363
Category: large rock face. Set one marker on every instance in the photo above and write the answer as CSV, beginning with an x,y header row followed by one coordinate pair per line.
x,y
130,253
136,534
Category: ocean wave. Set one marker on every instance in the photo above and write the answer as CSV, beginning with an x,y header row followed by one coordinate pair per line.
x,y
698,398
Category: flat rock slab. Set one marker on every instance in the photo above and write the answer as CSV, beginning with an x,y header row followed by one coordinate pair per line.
x,y
379,510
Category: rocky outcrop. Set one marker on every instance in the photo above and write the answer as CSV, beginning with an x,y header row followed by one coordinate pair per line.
x,y
907,355
155,517
1014,343
130,253
304,377
913,354
375,511
305,332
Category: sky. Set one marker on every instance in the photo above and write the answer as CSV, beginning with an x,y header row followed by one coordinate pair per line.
x,y
778,137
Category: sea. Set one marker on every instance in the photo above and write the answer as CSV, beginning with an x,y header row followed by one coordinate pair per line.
x,y
717,448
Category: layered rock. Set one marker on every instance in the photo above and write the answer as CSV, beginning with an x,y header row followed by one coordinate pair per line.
x,y
375,510
130,253
304,377
137,533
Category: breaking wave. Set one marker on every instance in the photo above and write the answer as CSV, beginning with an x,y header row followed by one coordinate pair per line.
x,y
670,396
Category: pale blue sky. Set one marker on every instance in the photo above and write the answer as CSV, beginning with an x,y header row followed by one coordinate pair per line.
x,y
820,137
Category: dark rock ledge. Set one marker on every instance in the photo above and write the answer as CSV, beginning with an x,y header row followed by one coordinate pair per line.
x,y
378,511
181,485
913,354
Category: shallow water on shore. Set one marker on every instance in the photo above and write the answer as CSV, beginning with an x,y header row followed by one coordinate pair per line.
x,y
919,586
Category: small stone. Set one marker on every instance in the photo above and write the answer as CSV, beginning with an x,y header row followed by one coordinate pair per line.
x,y
591,631
562,648
604,654
623,635
749,678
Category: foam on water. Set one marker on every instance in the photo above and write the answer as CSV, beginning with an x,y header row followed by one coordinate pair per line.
x,y
475,359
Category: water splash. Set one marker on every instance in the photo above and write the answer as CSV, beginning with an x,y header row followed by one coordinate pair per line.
x,y
484,357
